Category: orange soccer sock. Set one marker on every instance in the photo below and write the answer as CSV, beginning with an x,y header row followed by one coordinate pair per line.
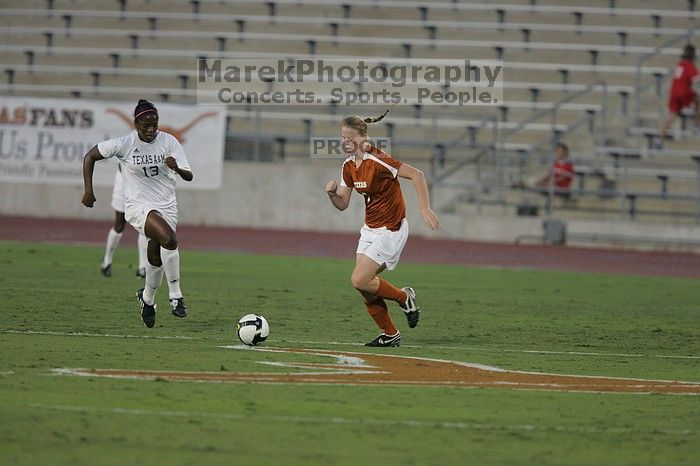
x,y
379,312
389,291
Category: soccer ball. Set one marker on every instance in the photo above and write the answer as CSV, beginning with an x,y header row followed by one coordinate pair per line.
x,y
252,329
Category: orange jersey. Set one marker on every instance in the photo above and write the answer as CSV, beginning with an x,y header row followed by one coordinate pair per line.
x,y
377,180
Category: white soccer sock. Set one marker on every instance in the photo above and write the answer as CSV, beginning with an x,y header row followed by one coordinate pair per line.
x,y
171,264
112,241
143,246
154,275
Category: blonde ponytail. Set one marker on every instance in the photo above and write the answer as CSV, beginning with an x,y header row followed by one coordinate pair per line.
x,y
360,124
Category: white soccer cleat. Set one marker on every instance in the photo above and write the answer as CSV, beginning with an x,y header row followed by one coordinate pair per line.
x,y
410,307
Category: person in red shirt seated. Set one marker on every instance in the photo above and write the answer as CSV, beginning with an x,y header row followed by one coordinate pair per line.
x,y
682,94
562,171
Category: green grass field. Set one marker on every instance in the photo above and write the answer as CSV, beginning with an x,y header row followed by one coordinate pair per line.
x,y
58,311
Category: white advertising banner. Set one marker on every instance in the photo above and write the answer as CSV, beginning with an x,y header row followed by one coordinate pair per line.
x,y
43,141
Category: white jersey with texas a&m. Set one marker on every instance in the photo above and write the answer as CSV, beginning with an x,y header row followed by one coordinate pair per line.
x,y
147,179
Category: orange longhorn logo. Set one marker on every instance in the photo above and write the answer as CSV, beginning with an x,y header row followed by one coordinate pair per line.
x,y
178,133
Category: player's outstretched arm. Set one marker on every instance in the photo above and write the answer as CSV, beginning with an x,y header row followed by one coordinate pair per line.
x,y
339,195
184,174
89,160
418,179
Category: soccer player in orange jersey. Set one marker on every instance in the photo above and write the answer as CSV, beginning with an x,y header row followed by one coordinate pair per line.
x,y
374,174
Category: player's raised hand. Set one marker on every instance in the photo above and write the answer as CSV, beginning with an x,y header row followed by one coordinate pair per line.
x,y
430,218
88,199
171,163
332,187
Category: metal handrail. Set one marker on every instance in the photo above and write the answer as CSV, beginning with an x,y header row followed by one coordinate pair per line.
x,y
555,107
438,179
638,87
484,150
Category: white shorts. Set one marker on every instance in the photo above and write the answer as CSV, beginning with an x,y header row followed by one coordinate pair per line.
x,y
136,216
382,245
118,192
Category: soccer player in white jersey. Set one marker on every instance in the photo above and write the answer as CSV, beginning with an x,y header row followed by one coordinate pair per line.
x,y
151,162
115,232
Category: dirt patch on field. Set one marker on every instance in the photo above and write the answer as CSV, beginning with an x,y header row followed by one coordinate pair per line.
x,y
379,369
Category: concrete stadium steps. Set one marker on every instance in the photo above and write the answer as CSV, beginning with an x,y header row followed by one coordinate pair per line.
x,y
421,133
99,60
297,126
381,10
129,94
417,30
677,165
48,79
618,206
650,185
634,4
202,46
483,46
294,148
579,207
485,208
149,51
682,144
517,99
25,40
544,35
579,56
107,83
670,218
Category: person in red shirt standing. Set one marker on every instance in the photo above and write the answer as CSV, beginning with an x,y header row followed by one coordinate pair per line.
x,y
682,94
375,175
562,171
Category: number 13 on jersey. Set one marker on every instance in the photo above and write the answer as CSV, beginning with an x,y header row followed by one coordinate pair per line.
x,y
150,171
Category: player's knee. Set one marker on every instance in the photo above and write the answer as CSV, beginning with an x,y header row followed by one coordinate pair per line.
x,y
170,242
358,280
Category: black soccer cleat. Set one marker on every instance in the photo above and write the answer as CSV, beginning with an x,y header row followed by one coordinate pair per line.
x,y
141,273
107,271
384,340
410,307
148,311
177,305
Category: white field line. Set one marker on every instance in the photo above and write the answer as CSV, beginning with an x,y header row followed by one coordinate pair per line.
x,y
271,379
506,350
245,377
84,334
359,422
340,343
